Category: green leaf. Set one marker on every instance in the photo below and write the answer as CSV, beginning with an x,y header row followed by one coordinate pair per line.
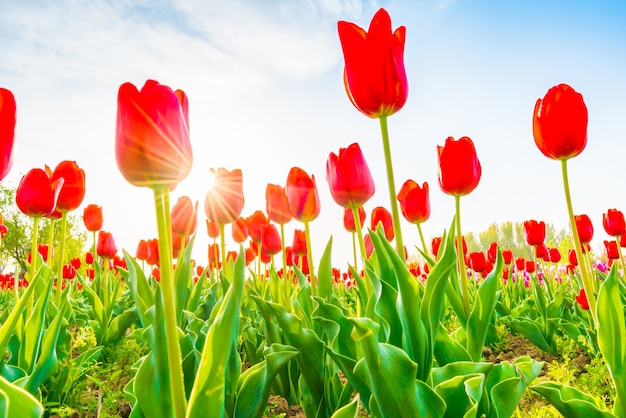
x,y
324,273
350,410
570,401
16,402
209,390
119,325
462,394
138,286
253,388
612,335
529,330
482,311
183,280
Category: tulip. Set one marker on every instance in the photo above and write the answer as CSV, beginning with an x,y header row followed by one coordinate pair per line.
x,y
89,257
554,254
153,252
507,255
302,195
611,250
459,168
184,217
224,201
239,230
530,266
298,245
614,223
351,183
271,243
37,194
142,250
560,123
92,218
76,262
152,144
254,223
7,131
541,251
213,229
492,252
581,298
584,228
69,271
434,245
277,204
374,74
571,256
73,190
477,261
106,245
534,232
214,255
348,218
414,202
380,215
520,263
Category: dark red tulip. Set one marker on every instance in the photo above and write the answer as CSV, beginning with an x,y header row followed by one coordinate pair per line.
x,y
7,131
584,228
534,232
380,215
277,204
614,223
184,217
73,189
349,178
348,218
414,202
106,245
560,123
374,74
302,194
92,218
37,194
224,201
459,168
152,144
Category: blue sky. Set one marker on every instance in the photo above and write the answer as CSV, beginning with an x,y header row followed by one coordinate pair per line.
x,y
264,81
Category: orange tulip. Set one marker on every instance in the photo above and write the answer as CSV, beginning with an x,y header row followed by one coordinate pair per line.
x,y
239,230
374,75
348,218
302,194
254,223
224,201
184,217
212,229
152,144
277,204
7,131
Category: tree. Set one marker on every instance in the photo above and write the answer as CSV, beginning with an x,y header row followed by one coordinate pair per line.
x,y
17,242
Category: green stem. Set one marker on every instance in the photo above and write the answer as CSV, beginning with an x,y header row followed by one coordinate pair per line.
x,y
392,188
309,256
354,248
33,263
460,255
359,233
282,247
174,359
419,230
223,246
582,261
61,257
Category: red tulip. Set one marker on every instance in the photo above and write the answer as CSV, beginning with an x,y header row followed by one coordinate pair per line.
x,y
277,204
270,239
534,232
92,217
414,202
374,74
434,245
507,255
612,252
541,251
184,217
142,250
581,298
369,245
301,191
37,194
214,255
572,257
351,183
492,252
73,190
254,223
224,201
89,257
106,245
239,230
584,228
459,168
554,254
213,229
152,144
520,264
69,272
614,223
76,262
298,245
3,230
560,123
348,218
382,215
477,261
7,131
530,266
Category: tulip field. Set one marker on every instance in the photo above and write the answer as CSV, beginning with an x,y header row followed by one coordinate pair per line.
x,y
275,329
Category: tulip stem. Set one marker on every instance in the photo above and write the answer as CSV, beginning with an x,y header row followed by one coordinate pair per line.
x,y
174,359
461,256
359,232
282,248
223,246
33,262
61,257
392,188
419,230
354,248
618,239
309,257
584,268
